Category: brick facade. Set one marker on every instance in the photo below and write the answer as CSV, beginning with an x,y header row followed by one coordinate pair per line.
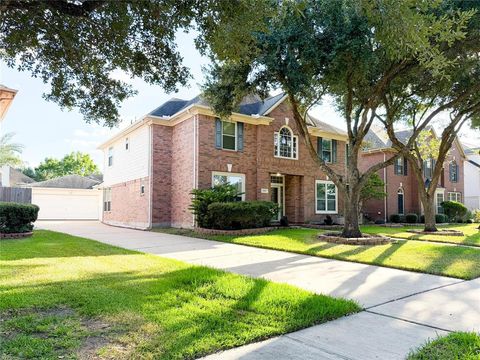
x,y
382,209
184,156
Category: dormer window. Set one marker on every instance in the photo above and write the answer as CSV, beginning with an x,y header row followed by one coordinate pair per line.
x,y
286,144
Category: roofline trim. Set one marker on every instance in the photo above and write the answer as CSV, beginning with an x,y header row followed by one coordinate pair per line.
x,y
319,132
271,108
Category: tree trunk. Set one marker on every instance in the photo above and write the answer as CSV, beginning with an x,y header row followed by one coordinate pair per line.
x,y
429,213
351,210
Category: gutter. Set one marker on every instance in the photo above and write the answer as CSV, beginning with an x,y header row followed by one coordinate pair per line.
x,y
385,188
150,178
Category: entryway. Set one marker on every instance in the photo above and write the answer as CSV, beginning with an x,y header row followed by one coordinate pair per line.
x,y
277,190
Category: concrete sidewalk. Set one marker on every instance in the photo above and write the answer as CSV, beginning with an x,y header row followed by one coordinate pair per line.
x,y
403,308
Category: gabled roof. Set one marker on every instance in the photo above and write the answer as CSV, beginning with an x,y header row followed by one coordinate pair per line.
x,y
68,182
474,163
250,105
324,126
16,177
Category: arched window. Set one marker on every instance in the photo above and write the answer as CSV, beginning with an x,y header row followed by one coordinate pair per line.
x,y
401,201
286,143
453,171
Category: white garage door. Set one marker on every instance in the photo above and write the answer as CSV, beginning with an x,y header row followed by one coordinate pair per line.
x,y
67,204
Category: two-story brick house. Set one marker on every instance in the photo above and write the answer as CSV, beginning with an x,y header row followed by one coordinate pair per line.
x,y
401,185
152,166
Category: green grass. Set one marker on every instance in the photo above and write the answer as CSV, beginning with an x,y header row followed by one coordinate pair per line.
x,y
455,346
63,296
471,232
421,256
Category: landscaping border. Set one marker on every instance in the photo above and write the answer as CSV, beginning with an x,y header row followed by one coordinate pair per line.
x,y
365,240
254,231
16,235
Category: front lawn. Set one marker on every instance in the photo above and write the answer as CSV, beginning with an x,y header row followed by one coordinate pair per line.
x,y
455,346
68,297
472,234
421,256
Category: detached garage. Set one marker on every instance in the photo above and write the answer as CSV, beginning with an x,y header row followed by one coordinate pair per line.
x,y
70,197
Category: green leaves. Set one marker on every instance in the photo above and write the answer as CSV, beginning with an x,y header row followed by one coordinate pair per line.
x,y
9,152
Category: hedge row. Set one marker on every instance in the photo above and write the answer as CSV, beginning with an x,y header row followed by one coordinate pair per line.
x,y
241,215
17,218
413,218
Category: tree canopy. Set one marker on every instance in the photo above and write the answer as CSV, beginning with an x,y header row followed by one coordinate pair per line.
x,y
74,163
10,152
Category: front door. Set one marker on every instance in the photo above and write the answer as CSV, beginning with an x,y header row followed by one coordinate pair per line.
x,y
277,190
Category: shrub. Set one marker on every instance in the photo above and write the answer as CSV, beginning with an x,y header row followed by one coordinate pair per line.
x,y
379,221
395,218
422,219
441,218
241,215
411,218
454,209
476,216
469,221
202,198
328,220
284,221
17,218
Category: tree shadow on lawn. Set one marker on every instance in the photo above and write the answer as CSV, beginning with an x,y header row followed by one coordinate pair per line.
x,y
194,311
464,259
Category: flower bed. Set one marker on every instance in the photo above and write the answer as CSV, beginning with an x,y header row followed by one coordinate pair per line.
x,y
336,238
254,231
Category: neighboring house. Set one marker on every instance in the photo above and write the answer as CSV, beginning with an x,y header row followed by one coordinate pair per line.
x,y
70,197
13,177
152,166
401,184
6,98
472,177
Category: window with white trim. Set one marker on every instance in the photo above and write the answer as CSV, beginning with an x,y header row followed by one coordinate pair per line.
x,y
326,198
238,180
327,150
110,156
107,199
455,196
286,144
453,171
229,135
439,200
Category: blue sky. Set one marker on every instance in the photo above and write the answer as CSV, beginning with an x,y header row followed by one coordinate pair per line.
x,y
47,131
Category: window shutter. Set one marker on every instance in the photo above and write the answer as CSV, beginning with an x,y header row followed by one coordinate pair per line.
x,y
334,151
218,133
450,172
240,136
405,166
347,149
319,147
457,172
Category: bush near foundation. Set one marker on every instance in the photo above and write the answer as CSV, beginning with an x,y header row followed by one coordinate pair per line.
x,y
454,210
17,218
411,218
241,215
395,218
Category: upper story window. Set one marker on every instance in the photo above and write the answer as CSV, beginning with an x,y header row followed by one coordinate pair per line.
x,y
428,166
127,144
228,135
453,171
238,180
286,144
110,156
107,199
327,149
400,166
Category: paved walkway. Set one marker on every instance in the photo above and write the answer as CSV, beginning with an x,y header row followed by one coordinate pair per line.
x,y
403,308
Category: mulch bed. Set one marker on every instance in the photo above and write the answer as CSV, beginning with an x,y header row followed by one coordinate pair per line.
x,y
443,232
240,232
15,235
336,238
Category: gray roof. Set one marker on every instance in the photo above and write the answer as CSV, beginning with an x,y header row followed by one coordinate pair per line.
x,y
250,105
378,138
68,182
19,178
324,126
474,163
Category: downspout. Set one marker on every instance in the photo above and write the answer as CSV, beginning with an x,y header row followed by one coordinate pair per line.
x,y
195,157
150,174
385,188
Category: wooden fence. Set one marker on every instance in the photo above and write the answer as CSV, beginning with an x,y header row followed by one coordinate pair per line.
x,y
18,195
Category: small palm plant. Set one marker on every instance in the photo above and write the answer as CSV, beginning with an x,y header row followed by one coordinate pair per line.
x,y
9,152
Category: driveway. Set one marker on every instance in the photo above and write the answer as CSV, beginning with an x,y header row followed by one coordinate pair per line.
x,y
403,308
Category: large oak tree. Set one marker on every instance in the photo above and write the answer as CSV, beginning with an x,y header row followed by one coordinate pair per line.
x,y
351,50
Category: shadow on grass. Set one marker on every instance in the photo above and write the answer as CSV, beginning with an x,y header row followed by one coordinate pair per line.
x,y
195,310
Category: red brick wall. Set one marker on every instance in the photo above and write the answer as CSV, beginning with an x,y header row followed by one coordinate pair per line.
x,y
161,175
129,207
456,155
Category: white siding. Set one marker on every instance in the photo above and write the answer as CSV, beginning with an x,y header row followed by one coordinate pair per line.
x,y
472,182
128,164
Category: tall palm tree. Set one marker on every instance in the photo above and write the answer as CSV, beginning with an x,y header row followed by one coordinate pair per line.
x,y
9,152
